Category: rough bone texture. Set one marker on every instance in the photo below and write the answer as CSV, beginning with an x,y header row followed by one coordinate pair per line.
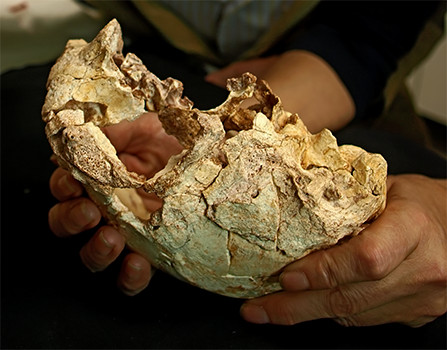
x,y
252,190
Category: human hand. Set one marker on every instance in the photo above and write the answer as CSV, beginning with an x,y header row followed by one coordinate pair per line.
x,y
306,84
256,66
394,271
145,148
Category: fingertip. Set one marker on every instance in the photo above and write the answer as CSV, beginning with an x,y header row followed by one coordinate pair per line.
x,y
108,243
73,216
53,159
84,215
72,187
216,78
254,313
135,274
112,238
102,249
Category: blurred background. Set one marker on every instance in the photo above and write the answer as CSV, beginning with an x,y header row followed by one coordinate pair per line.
x,y
35,32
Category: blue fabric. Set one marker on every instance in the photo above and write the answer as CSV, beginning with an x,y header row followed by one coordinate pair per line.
x,y
363,41
229,26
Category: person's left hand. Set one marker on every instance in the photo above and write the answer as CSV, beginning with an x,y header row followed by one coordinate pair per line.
x,y
144,147
394,271
256,66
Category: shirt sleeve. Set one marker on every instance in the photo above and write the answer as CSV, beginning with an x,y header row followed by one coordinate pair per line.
x,y
363,41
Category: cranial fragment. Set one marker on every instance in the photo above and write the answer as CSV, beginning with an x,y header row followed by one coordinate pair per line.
x,y
252,190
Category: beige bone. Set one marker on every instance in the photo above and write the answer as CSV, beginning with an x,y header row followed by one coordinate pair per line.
x,y
235,209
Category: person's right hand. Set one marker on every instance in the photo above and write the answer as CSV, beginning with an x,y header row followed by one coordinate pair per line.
x,y
145,148
393,271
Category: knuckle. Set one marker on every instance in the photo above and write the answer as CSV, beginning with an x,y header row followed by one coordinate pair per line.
x,y
342,303
325,269
372,261
418,215
417,218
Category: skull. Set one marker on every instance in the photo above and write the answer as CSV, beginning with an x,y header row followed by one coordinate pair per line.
x,y
251,191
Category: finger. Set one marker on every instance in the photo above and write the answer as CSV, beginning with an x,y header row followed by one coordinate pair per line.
x,y
138,165
63,186
371,255
255,66
288,308
123,134
407,311
285,308
135,274
219,77
102,249
151,201
341,302
53,159
396,298
73,216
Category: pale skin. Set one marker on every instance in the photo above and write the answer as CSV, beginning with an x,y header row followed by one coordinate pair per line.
x,y
394,271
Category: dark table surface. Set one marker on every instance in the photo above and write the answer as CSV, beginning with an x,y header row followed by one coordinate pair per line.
x,y
50,300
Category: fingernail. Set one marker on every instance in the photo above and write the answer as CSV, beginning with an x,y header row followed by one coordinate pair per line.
x,y
82,215
254,313
88,212
105,248
66,185
294,280
132,272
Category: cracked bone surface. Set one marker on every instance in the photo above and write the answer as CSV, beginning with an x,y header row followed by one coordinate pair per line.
x,y
236,209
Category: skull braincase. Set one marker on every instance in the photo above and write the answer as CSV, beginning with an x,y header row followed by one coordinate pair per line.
x,y
252,190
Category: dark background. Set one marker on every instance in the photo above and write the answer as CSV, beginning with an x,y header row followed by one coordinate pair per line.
x,y
50,300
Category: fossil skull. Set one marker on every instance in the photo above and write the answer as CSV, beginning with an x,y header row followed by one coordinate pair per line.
x,y
252,190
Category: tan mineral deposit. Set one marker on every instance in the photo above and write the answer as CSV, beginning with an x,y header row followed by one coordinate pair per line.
x,y
251,192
